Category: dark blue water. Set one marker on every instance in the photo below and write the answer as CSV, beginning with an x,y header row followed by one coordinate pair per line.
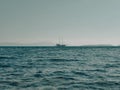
x,y
50,68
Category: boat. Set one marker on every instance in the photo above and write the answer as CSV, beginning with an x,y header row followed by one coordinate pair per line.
x,y
60,44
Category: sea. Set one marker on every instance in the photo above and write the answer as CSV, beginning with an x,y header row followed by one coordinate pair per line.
x,y
55,68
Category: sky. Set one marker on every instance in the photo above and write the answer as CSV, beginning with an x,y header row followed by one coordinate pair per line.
x,y
78,22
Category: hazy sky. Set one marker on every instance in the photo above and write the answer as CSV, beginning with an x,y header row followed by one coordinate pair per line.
x,y
78,22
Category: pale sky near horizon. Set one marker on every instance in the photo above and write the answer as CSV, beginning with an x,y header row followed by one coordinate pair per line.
x,y
78,22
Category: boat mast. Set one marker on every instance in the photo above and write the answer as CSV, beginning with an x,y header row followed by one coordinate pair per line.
x,y
62,41
59,41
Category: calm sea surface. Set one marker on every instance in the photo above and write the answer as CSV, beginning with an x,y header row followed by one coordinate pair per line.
x,y
50,68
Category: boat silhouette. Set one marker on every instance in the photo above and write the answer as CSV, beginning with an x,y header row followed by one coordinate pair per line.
x,y
60,44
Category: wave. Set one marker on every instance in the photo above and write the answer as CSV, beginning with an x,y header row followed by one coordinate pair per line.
x,y
65,78
112,65
80,73
59,72
12,83
106,83
97,70
38,75
62,60
5,65
7,57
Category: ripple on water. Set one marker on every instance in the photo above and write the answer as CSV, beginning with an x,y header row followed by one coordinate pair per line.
x,y
7,57
11,83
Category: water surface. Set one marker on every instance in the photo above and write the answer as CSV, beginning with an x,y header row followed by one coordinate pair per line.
x,y
50,68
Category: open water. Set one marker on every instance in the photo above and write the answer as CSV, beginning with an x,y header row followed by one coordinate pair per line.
x,y
50,68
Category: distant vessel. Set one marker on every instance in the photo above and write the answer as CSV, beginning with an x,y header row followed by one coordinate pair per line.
x,y
60,44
